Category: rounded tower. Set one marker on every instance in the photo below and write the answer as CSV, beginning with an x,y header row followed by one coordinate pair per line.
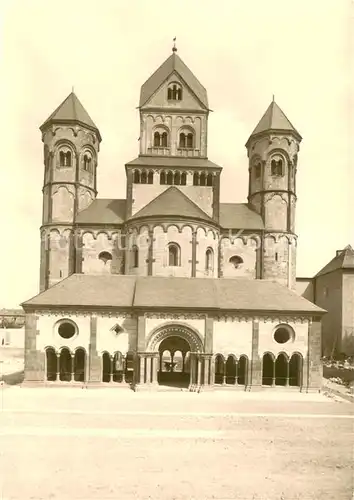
x,y
273,151
71,145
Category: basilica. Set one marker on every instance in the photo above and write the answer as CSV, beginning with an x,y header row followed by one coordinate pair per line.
x,y
170,287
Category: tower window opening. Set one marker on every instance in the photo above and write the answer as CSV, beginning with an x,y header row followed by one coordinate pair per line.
x,y
136,178
174,255
190,141
276,256
143,179
156,139
182,140
236,261
209,259
258,170
87,162
160,139
164,140
135,252
277,168
65,158
174,92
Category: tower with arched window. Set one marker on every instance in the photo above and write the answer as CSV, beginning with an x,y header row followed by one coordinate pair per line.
x,y
71,144
273,152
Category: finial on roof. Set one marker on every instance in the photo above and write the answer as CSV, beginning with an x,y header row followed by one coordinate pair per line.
x,y
174,48
273,98
72,89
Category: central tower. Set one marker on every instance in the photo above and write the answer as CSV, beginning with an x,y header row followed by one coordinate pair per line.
x,y
174,114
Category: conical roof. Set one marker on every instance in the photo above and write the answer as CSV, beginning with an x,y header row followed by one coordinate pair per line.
x,y
172,202
71,110
173,63
274,119
343,260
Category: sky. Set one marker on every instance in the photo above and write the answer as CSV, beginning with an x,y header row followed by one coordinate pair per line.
x,y
243,52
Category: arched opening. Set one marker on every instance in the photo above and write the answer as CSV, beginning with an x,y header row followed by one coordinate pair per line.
x,y
182,140
219,369
190,140
295,369
210,180
135,256
164,139
162,178
87,162
236,261
177,179
156,139
202,180
231,370
65,365
79,365
242,370
173,369
51,363
258,170
281,370
169,178
277,167
183,179
105,257
268,369
196,179
143,178
118,367
209,259
174,255
151,177
136,178
106,367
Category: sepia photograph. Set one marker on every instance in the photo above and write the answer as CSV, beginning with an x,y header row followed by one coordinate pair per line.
x,y
177,258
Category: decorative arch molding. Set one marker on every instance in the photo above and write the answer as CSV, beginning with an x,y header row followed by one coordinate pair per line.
x,y
278,151
283,196
57,187
178,329
65,142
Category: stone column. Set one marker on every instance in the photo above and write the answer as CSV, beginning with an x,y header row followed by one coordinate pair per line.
x,y
254,379
77,241
94,370
72,367
141,368
58,367
154,363
150,259
212,370
111,369
148,369
199,373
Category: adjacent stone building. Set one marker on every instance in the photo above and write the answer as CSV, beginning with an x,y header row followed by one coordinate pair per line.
x,y
170,285
332,288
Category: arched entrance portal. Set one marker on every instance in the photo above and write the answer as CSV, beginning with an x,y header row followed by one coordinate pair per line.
x,y
173,368
175,357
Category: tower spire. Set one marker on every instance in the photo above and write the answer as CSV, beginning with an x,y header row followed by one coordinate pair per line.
x,y
174,48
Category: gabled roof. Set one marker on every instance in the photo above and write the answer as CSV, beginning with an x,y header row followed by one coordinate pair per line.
x,y
119,291
173,64
343,260
103,211
173,161
274,119
172,202
71,110
239,216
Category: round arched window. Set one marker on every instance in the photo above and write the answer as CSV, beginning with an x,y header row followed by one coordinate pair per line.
x,y
105,257
283,334
67,329
236,261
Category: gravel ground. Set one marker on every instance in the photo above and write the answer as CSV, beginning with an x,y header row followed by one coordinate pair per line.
x,y
79,444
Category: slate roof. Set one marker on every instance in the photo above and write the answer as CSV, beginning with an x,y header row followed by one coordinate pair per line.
x,y
173,161
70,110
118,291
103,211
274,119
173,63
344,260
239,216
172,202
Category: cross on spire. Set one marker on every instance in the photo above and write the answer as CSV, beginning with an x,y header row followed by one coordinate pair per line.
x,y
174,48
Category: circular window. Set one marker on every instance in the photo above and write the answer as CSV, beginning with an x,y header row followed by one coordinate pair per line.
x,y
282,335
66,330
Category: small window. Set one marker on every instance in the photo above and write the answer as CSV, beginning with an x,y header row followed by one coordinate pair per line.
x,y
143,178
169,178
282,335
117,329
105,257
87,162
162,178
174,92
277,167
183,179
190,141
136,178
210,180
209,259
66,330
177,179
164,140
236,261
156,139
65,158
258,170
196,179
160,138
135,253
173,254
182,140
151,177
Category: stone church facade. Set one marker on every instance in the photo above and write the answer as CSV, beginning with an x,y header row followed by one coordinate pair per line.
x,y
170,286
